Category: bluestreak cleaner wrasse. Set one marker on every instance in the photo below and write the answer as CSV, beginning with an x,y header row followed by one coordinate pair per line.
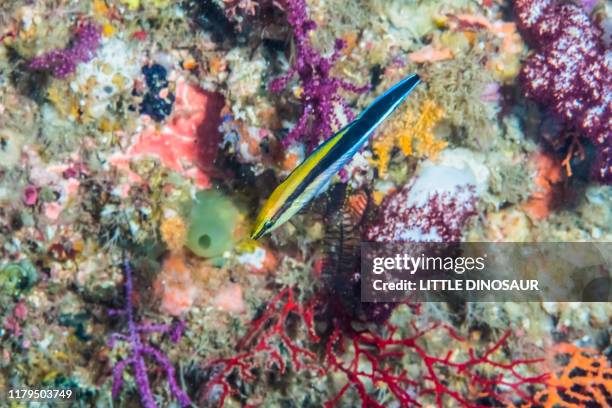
x,y
313,175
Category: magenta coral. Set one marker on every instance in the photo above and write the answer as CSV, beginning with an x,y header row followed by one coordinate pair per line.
x,y
320,95
61,63
139,349
571,71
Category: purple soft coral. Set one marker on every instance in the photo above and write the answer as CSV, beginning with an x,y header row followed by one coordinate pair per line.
x,y
62,63
320,90
140,349
571,72
438,218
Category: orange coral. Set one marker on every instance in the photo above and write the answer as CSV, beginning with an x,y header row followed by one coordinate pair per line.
x,y
173,232
431,53
175,286
413,134
549,173
586,380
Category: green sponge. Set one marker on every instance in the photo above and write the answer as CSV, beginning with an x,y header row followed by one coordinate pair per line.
x,y
213,221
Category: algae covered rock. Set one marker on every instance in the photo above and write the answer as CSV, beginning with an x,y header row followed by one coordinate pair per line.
x,y
214,222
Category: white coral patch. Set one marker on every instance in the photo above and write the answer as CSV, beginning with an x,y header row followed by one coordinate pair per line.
x,y
453,169
110,73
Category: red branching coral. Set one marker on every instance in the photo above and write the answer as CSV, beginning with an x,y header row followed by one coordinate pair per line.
x,y
381,350
265,337
571,72
370,357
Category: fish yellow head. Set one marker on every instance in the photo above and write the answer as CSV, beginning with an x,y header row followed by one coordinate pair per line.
x,y
260,228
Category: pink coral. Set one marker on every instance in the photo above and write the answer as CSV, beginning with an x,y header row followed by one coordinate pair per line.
x,y
175,286
230,299
188,142
30,195
570,72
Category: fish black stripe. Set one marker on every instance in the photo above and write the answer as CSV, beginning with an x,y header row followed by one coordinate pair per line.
x,y
348,140
365,124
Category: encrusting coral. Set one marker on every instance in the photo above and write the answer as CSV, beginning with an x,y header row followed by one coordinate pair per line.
x,y
413,134
187,143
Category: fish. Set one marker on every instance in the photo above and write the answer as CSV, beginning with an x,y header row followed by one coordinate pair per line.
x,y
314,174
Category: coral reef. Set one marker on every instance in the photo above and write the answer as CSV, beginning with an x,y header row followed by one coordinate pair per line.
x,y
139,137
319,90
62,63
570,72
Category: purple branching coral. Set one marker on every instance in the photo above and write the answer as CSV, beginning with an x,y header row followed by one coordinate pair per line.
x,y
140,348
320,93
571,71
61,63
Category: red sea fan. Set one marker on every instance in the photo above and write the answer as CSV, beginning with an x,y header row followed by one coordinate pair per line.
x,y
570,71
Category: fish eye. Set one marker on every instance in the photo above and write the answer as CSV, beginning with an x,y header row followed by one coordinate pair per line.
x,y
268,224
